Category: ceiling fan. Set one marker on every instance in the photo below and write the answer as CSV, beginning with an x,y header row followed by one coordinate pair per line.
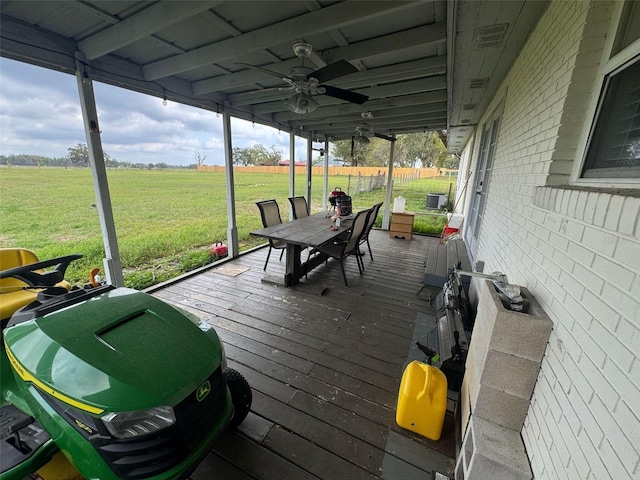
x,y
306,82
365,132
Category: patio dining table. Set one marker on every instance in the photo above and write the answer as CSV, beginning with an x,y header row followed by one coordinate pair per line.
x,y
298,234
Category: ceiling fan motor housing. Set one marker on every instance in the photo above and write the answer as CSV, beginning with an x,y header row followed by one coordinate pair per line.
x,y
302,49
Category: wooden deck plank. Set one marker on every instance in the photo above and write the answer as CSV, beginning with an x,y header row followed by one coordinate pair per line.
x,y
282,377
214,466
258,461
324,370
338,443
343,419
314,458
355,386
442,262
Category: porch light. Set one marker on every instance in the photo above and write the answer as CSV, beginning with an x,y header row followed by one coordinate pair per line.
x,y
301,103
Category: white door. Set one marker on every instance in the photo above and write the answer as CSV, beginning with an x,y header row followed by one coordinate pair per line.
x,y
481,180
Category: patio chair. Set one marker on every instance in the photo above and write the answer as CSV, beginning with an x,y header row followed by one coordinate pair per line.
x,y
372,219
270,214
341,249
299,205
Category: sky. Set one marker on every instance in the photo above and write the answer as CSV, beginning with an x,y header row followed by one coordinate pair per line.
x,y
40,115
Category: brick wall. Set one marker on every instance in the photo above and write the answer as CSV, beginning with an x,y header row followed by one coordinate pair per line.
x,y
576,250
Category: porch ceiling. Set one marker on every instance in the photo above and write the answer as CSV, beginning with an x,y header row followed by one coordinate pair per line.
x,y
193,52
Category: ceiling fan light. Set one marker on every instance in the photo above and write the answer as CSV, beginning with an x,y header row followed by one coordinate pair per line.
x,y
301,103
363,139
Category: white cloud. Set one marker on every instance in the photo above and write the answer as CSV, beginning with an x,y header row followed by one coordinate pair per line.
x,y
40,114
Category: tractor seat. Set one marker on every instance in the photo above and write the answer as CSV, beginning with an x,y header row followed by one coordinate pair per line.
x,y
12,293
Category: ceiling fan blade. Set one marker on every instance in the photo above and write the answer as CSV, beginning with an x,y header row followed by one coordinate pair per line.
x,y
385,137
333,70
270,72
347,95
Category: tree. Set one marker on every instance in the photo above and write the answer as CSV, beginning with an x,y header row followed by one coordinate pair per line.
x,y
200,158
79,156
242,156
353,153
427,148
256,155
411,150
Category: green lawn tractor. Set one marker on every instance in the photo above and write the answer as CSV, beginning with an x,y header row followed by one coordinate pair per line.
x,y
111,383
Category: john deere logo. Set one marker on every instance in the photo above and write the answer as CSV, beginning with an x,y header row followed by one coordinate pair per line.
x,y
203,391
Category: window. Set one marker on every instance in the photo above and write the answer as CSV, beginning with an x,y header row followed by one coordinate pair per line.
x,y
613,150
615,144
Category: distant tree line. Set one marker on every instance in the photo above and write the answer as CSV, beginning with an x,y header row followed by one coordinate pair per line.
x,y
413,150
78,156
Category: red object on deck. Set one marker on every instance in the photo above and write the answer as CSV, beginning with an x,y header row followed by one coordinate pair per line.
x,y
449,231
219,249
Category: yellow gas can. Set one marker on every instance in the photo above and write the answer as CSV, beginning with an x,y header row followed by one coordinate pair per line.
x,y
422,400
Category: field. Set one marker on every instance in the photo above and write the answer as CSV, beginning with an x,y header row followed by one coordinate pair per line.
x,y
165,219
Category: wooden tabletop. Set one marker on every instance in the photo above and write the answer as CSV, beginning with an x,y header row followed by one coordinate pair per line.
x,y
313,230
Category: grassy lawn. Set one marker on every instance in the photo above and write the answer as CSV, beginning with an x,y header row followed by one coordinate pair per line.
x,y
165,219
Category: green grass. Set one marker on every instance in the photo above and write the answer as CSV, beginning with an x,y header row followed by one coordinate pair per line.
x,y
165,219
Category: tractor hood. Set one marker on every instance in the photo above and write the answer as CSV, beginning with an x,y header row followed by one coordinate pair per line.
x,y
123,350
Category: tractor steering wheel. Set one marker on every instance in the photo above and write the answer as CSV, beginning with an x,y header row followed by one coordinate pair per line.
x,y
28,274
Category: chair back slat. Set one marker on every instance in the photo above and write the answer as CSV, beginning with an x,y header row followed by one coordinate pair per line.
x,y
374,215
269,212
358,227
299,205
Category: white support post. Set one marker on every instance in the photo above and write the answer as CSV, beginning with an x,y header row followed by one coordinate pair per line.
x,y
232,228
325,182
309,168
292,169
111,262
387,208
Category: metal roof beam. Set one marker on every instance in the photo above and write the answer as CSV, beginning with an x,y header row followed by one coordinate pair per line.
x,y
427,67
351,108
349,121
328,18
144,23
436,32
391,90
384,127
428,108
432,65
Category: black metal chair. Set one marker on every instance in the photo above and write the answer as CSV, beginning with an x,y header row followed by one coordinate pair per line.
x,y
270,214
300,208
341,249
372,219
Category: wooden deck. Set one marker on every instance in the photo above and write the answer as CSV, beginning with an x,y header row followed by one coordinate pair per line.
x,y
324,369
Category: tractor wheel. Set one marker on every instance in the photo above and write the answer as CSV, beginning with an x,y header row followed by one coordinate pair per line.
x,y
240,395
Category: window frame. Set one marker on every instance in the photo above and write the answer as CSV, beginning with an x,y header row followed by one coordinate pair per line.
x,y
611,64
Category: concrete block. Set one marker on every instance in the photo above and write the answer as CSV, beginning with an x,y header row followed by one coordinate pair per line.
x,y
510,374
521,334
472,377
490,451
500,407
474,364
